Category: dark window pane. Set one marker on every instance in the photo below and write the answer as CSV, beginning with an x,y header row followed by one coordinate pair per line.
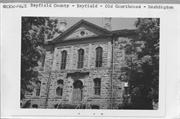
x,y
43,59
80,58
38,87
63,59
60,81
59,91
99,52
37,92
126,90
97,86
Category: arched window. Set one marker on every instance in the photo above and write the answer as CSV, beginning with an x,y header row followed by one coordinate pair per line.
x,y
60,81
97,86
63,59
59,89
38,88
34,106
80,58
99,52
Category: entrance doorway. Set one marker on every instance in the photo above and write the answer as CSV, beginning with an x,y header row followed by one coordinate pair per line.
x,y
77,91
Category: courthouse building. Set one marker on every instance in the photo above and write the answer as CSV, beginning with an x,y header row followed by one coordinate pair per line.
x,y
82,68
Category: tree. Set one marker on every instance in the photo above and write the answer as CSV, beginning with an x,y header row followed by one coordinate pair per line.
x,y
142,64
34,32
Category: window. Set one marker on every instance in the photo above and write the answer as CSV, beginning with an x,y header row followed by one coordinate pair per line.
x,y
126,88
59,89
128,49
99,51
80,58
43,59
82,33
38,87
63,59
97,86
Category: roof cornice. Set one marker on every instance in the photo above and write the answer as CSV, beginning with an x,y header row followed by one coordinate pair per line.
x,y
76,25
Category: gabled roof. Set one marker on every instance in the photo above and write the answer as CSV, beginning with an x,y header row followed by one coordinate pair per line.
x,y
60,37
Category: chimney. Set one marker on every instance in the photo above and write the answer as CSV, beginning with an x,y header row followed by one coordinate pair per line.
x,y
62,26
107,23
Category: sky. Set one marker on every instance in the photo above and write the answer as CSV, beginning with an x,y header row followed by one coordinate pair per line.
x,y
116,23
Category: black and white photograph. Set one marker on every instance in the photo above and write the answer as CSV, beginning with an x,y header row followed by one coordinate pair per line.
x,y
107,63
90,60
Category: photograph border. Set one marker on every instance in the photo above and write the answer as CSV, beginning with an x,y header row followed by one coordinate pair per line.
x,y
16,111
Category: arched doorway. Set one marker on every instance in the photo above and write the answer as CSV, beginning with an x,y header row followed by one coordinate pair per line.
x,y
77,91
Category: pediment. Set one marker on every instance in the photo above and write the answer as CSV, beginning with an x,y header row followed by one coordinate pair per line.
x,y
82,29
81,32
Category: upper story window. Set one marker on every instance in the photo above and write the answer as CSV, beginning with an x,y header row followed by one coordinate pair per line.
x,y
80,58
59,89
99,52
97,86
63,59
38,87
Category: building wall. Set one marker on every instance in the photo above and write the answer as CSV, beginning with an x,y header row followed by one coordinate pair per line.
x,y
39,100
88,92
72,55
52,73
104,73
